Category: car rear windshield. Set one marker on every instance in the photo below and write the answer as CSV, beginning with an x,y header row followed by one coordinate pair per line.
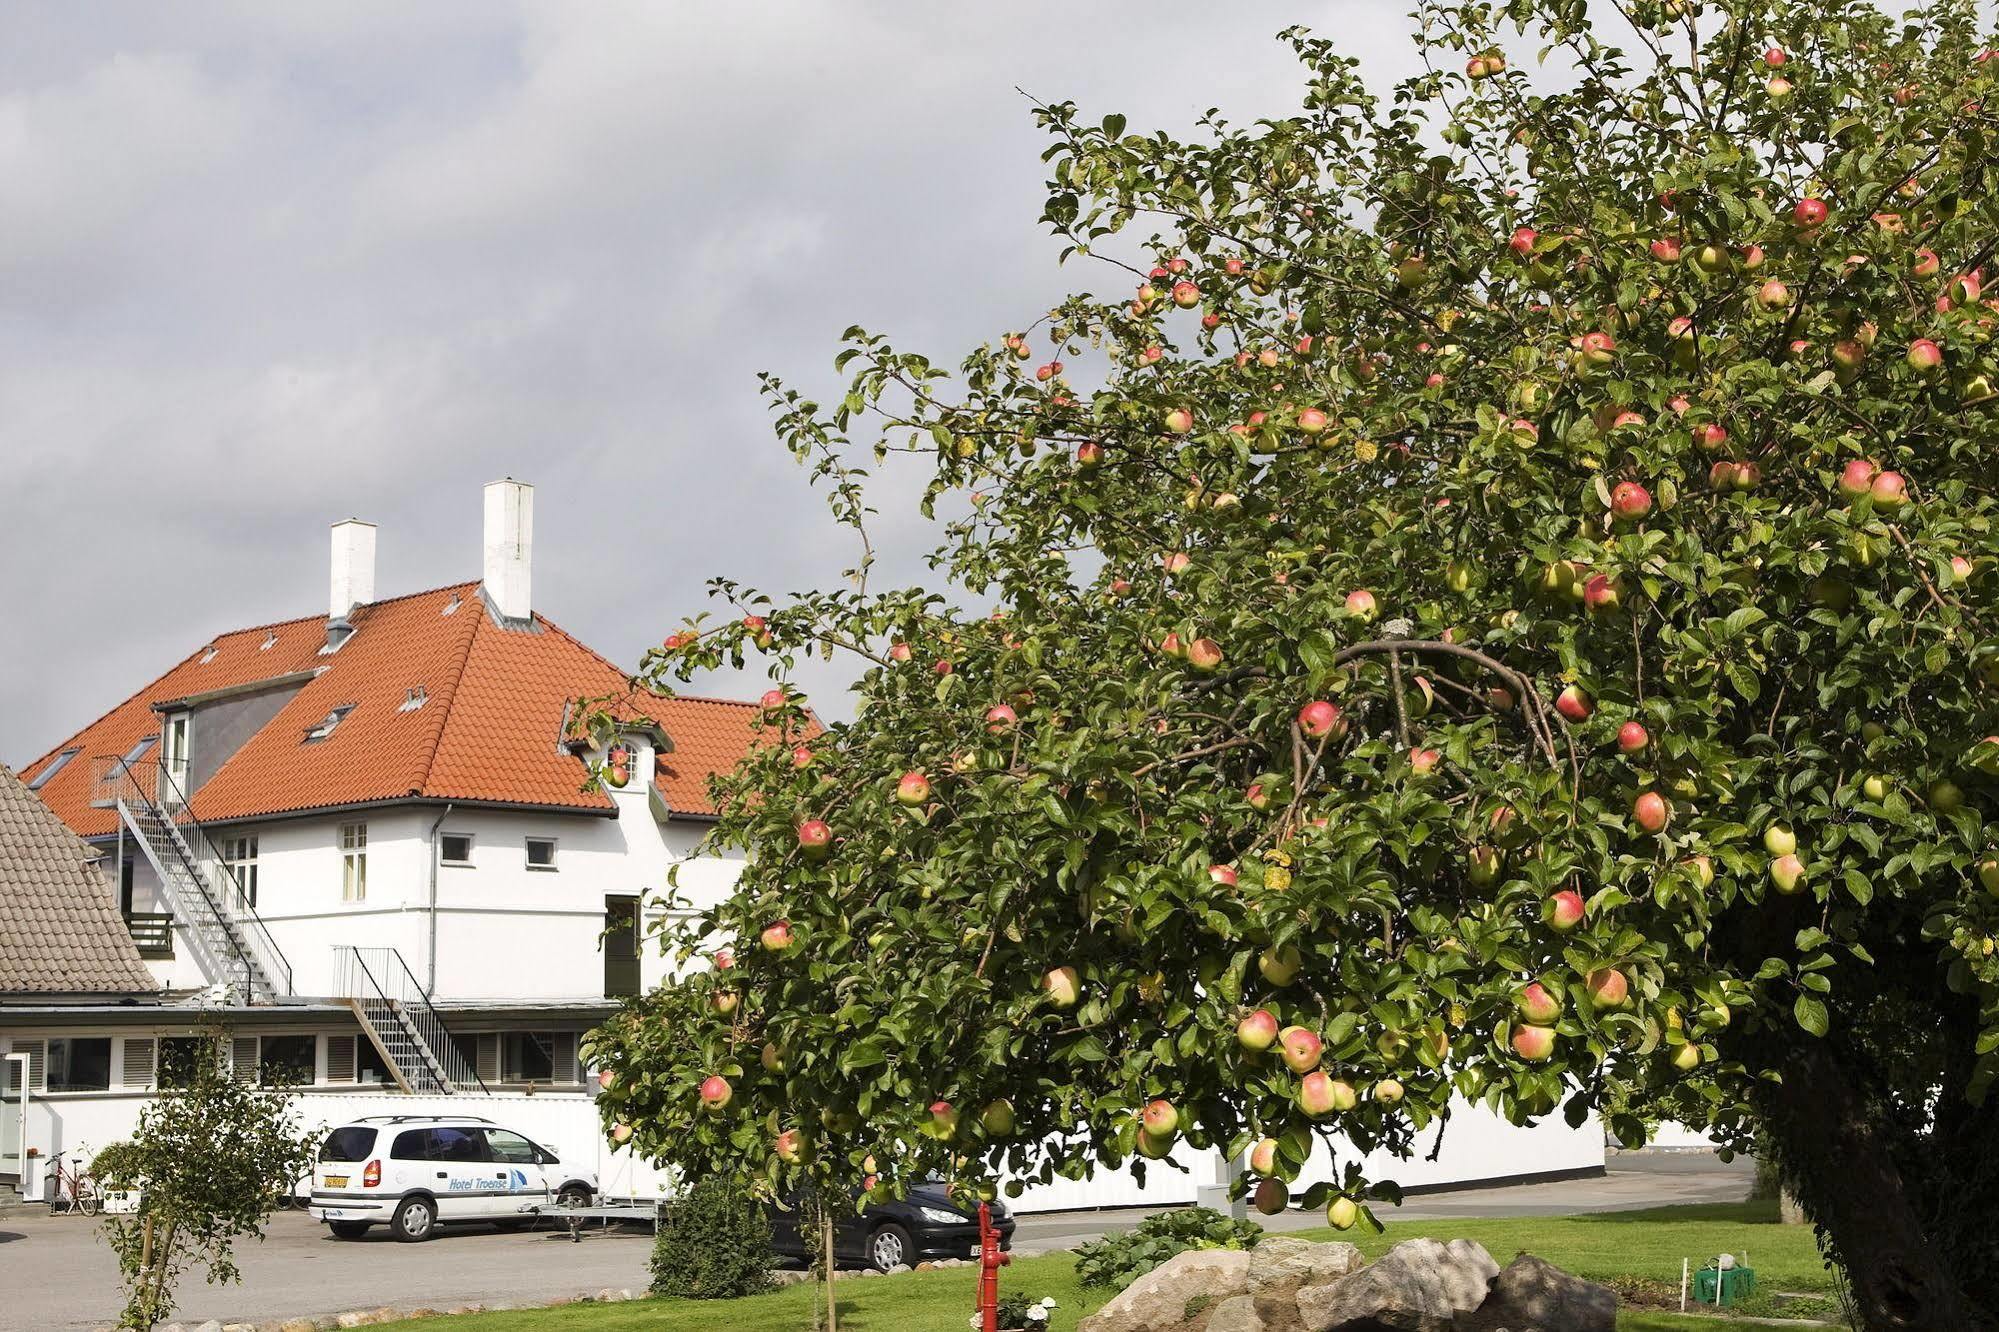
x,y
352,1143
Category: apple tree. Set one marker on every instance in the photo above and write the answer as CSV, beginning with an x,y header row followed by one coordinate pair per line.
x,y
1489,603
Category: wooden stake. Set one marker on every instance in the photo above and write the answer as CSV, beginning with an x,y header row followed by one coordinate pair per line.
x,y
832,1303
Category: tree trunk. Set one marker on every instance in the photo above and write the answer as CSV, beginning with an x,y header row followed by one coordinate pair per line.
x,y
1846,1177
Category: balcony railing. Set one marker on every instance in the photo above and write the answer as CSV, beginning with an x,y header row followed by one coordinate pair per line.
x,y
153,932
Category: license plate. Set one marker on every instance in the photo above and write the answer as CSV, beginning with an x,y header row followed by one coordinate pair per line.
x,y
336,1181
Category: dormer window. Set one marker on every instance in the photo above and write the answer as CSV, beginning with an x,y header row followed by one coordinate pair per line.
x,y
325,727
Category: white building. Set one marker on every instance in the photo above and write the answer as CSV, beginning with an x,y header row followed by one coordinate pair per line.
x,y
366,843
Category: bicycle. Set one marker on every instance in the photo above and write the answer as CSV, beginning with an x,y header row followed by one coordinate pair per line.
x,y
71,1189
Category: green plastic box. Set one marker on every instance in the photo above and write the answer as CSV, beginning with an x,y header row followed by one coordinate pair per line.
x,y
1738,1283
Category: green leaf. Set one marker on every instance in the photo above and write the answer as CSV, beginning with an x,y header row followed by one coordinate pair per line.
x,y
1811,1014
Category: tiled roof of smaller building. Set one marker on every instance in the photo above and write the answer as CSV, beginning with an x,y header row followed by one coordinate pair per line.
x,y
490,728
60,931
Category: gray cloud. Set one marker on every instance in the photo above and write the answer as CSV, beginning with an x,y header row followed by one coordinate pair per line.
x,y
263,266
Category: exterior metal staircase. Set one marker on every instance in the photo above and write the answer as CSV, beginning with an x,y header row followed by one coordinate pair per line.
x,y
230,941
405,1030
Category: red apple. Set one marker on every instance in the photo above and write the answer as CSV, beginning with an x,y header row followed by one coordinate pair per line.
x,y
1522,242
621,1133
1573,704
1608,988
1360,604
1630,501
1787,873
1856,478
1089,455
1925,356
774,700
792,1147
1666,249
1888,491
1204,655
715,1092
1565,910
1225,875
815,839
1710,435
607,1079
1534,1044
1602,592
1186,295
1632,738
1537,1005
776,937
1161,1118
1422,761
1271,1196
1179,421
1257,1031
1651,812
943,1119
1315,1095
1809,213
1321,718
1000,718
801,756
1773,295
913,789
1774,57
1311,420
1301,1049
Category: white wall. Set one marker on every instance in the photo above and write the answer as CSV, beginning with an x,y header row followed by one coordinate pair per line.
x,y
504,930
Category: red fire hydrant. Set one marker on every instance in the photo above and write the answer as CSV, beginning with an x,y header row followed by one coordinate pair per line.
x,y
991,1260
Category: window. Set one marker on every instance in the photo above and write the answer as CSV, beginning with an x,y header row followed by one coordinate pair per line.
x,y
288,1061
240,855
173,754
352,1143
541,853
326,724
353,862
178,1059
440,1144
52,767
528,1056
368,1066
79,1064
140,750
506,1145
456,848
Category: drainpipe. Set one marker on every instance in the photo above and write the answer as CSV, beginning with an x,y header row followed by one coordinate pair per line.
x,y
430,953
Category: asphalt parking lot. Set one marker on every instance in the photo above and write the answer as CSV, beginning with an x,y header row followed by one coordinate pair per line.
x,y
57,1273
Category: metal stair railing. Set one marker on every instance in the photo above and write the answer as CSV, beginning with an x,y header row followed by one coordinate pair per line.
x,y
221,947
381,980
173,804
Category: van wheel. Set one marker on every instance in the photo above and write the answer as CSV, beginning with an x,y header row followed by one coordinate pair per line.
x,y
348,1229
415,1219
572,1195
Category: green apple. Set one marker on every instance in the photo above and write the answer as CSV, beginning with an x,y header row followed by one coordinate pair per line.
x,y
1779,840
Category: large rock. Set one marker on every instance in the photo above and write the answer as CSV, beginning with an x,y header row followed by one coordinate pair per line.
x,y
1419,1285
1179,1295
1237,1313
1535,1296
1279,1267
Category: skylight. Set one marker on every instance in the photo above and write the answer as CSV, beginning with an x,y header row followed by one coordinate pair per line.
x,y
208,654
325,728
270,641
55,765
451,606
139,750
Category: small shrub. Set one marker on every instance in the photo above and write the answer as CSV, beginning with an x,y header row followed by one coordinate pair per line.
x,y
116,1166
714,1244
1021,1311
1119,1260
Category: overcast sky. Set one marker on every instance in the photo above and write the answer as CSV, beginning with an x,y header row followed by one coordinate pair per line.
x,y
266,266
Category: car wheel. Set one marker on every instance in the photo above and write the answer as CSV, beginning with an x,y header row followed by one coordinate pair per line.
x,y
572,1195
889,1247
348,1229
415,1219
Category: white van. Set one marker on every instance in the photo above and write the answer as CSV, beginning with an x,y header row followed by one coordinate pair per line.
x,y
415,1172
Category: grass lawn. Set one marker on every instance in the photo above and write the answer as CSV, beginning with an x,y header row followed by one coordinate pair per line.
x,y
1622,1248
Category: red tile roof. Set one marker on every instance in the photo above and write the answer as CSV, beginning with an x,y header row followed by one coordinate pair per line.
x,y
490,729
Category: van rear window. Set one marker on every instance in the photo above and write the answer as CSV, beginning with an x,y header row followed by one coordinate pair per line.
x,y
352,1143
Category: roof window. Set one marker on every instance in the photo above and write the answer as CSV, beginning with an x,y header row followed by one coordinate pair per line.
x,y
451,606
54,766
208,654
270,640
325,727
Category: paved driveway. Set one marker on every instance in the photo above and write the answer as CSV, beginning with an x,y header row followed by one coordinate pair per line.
x,y
56,1273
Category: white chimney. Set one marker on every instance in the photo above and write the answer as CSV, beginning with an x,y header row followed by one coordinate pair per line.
x,y
353,580
509,547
